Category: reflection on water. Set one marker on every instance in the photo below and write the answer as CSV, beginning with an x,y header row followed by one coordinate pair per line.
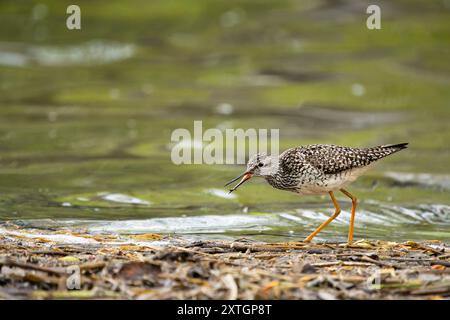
x,y
221,193
421,179
379,221
93,52
86,117
122,198
90,53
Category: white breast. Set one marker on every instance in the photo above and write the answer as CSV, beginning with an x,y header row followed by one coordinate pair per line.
x,y
332,182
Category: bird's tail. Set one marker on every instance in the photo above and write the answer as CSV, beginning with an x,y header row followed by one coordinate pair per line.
x,y
386,150
396,147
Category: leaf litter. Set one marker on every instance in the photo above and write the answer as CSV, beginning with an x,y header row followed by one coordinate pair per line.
x,y
152,266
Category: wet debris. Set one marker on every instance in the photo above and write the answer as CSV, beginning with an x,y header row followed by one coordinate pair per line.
x,y
156,267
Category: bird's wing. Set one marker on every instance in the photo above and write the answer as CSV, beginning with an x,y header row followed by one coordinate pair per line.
x,y
328,159
293,161
332,159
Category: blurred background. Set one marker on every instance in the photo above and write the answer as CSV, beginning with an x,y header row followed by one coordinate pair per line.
x,y
86,115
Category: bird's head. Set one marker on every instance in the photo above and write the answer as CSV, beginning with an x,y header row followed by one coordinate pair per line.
x,y
259,165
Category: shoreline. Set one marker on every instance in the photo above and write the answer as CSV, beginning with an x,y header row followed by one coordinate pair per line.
x,y
163,267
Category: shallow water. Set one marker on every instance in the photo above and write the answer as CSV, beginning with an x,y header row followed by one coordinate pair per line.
x,y
86,117
377,222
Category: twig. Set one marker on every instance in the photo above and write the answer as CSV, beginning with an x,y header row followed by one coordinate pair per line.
x,y
440,263
381,263
11,263
432,290
92,265
49,252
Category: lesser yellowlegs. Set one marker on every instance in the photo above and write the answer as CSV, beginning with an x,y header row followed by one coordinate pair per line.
x,y
317,169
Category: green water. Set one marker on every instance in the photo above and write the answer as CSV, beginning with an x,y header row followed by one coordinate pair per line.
x,y
87,113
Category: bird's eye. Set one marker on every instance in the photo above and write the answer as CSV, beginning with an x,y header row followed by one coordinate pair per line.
x,y
260,164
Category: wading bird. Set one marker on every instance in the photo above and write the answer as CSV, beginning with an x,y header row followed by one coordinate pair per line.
x,y
317,169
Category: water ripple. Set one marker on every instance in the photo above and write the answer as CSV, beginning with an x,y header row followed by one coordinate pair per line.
x,y
195,224
423,179
375,219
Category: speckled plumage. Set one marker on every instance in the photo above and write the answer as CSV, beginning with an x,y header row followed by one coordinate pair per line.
x,y
318,168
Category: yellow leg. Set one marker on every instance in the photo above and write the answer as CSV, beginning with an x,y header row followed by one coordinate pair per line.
x,y
323,225
352,218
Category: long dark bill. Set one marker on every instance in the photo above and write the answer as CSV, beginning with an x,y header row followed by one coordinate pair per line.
x,y
245,176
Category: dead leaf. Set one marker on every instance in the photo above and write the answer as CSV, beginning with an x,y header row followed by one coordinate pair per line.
x,y
138,270
438,267
146,236
69,259
270,285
